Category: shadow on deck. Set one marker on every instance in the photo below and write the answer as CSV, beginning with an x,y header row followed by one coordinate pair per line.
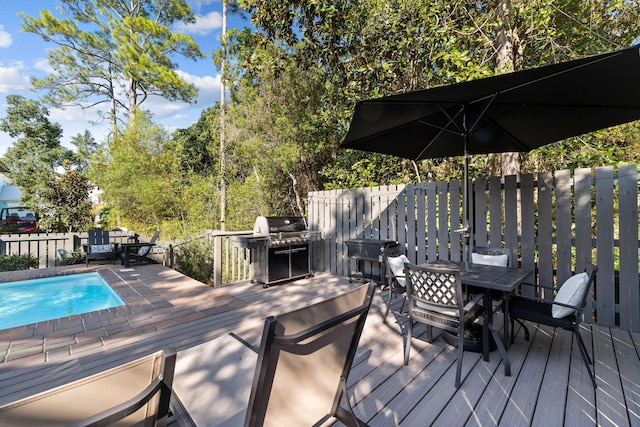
x,y
549,384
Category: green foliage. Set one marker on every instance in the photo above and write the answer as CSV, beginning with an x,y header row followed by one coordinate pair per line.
x,y
297,77
18,262
200,144
86,147
65,205
195,259
103,43
73,258
139,174
36,152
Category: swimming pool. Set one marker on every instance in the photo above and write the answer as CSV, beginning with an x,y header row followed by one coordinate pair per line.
x,y
38,300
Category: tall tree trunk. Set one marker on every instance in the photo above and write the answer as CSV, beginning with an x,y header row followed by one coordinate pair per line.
x,y
504,43
223,158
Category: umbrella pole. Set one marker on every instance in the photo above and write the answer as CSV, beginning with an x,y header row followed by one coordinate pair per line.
x,y
466,253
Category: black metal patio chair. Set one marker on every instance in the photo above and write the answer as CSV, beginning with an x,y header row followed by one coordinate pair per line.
x,y
492,256
304,362
395,281
564,311
435,298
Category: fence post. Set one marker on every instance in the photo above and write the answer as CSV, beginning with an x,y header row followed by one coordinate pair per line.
x,y
3,247
217,260
170,257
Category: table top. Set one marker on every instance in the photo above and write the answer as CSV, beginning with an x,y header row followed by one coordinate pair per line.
x,y
493,277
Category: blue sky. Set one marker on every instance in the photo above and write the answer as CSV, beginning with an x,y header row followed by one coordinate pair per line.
x,y
24,55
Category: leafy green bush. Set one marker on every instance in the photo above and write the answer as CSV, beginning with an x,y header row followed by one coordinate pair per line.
x,y
195,259
73,258
18,262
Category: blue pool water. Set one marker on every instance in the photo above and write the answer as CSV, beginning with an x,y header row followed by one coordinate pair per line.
x,y
30,301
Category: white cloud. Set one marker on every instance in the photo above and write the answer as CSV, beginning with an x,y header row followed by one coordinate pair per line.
x,y
5,38
197,4
12,79
208,87
42,64
204,24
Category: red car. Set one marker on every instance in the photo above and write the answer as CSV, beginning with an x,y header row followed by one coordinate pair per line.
x,y
18,220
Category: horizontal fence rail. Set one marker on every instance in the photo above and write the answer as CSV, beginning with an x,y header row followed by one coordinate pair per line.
x,y
229,264
555,222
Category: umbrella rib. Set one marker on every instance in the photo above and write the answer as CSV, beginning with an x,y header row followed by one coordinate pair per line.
x,y
442,128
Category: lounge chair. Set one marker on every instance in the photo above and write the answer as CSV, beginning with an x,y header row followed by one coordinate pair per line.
x,y
136,393
299,375
99,246
138,251
304,362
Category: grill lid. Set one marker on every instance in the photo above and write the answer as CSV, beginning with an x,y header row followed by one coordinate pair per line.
x,y
266,225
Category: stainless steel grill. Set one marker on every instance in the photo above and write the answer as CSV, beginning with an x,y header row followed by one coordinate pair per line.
x,y
280,249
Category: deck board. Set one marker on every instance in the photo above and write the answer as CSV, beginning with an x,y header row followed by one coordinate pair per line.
x,y
629,368
549,385
522,402
610,399
553,390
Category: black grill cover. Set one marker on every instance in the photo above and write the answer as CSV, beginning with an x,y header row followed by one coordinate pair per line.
x,y
372,249
266,225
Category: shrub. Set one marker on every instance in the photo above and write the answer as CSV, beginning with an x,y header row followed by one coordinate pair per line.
x,y
195,259
73,258
18,262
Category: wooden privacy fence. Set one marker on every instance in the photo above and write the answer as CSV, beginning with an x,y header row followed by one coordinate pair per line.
x,y
553,221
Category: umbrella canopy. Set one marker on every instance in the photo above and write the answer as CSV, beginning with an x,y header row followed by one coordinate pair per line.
x,y
511,112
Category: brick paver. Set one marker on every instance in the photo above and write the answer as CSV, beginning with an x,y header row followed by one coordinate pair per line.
x,y
155,298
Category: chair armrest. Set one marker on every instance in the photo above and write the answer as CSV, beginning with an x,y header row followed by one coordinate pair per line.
x,y
537,288
546,301
110,416
128,248
476,299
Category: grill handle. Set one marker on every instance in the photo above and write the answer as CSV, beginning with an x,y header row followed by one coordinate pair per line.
x,y
289,251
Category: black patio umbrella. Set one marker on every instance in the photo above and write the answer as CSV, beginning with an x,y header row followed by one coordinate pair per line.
x,y
514,112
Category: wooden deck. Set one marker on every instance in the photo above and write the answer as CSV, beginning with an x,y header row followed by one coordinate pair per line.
x,y
549,384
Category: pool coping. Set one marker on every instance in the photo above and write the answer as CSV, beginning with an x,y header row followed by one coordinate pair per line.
x,y
32,301
155,298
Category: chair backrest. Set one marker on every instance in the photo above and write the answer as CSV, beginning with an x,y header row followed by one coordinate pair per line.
x,y
394,259
155,237
98,237
591,270
435,294
492,256
137,393
144,250
304,357
395,269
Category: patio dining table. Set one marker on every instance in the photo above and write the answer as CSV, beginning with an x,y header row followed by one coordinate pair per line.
x,y
498,283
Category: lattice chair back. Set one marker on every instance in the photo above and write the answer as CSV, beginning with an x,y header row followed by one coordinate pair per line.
x,y
435,299
435,295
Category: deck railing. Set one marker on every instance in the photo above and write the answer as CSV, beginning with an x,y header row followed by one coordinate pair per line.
x,y
230,264
553,221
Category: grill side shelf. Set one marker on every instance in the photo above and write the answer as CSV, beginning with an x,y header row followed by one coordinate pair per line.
x,y
248,242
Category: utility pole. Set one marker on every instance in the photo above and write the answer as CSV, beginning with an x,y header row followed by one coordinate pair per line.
x,y
223,159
